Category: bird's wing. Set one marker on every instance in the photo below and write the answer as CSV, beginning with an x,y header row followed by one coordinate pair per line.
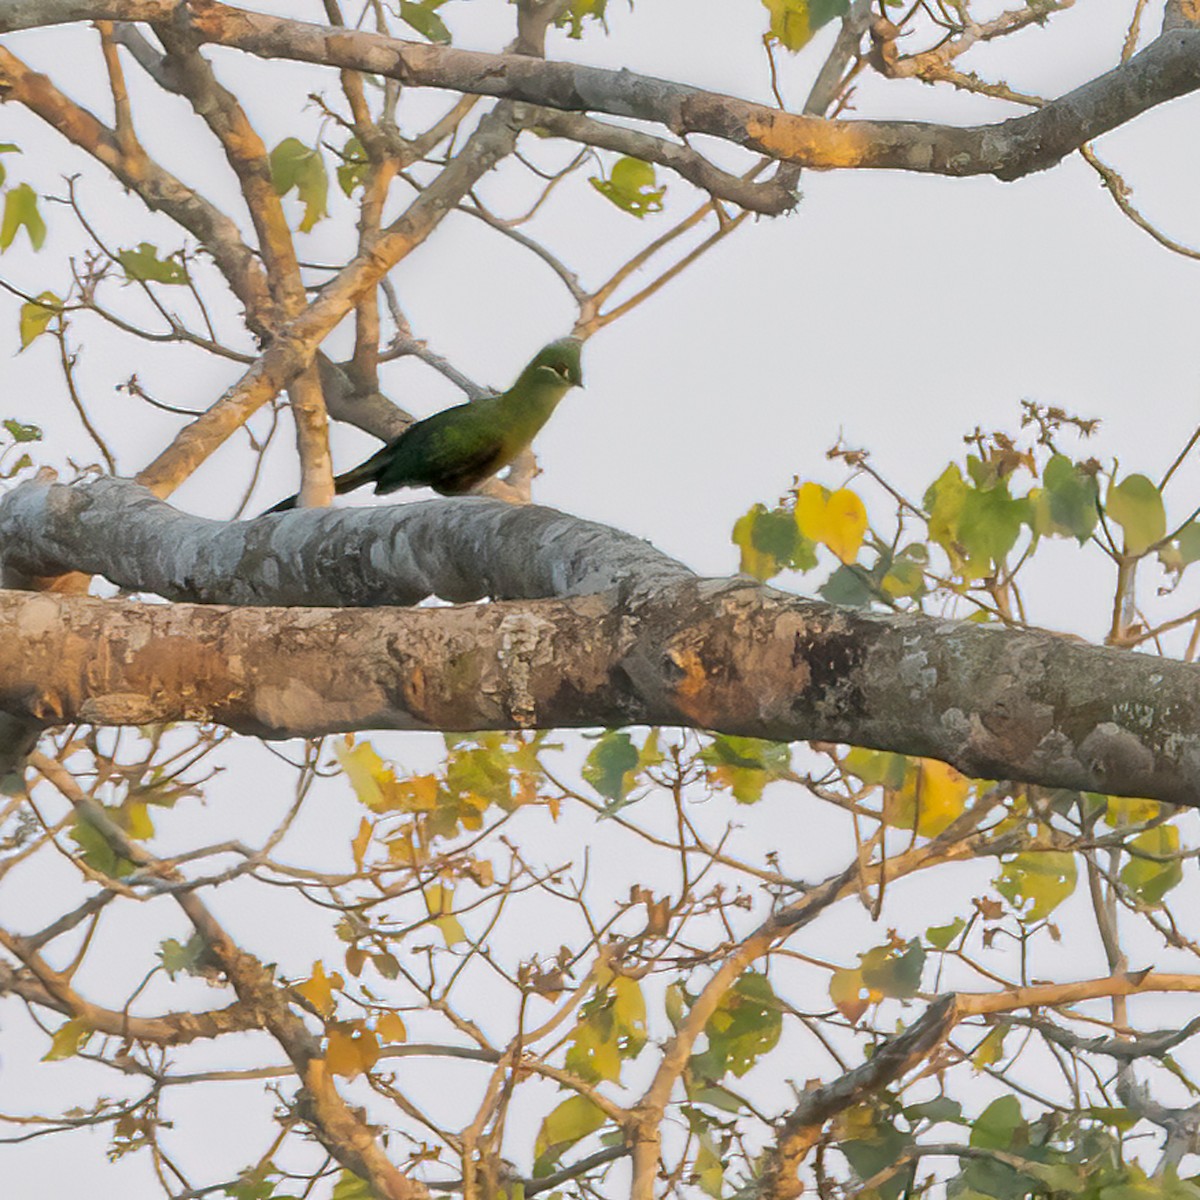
x,y
451,451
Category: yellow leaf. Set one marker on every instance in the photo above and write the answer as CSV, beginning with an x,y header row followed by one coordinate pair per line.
x,y
846,990
991,1050
135,820
439,901
451,929
572,1120
933,794
837,520
367,772
319,988
349,1053
391,1028
67,1041
1123,810
629,1006
361,841
810,511
402,849
36,316
845,524
418,794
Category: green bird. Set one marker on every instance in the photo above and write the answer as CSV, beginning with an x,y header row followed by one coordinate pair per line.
x,y
457,449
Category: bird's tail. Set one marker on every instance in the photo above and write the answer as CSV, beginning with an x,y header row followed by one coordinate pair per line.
x,y
356,477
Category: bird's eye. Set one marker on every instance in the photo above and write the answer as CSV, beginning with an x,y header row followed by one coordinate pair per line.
x,y
561,369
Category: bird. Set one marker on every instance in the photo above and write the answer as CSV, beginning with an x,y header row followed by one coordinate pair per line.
x,y
455,450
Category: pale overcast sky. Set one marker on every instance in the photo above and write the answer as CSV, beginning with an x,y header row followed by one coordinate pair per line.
x,y
895,310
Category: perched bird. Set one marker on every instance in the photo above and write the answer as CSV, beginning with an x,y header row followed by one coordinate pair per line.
x,y
458,448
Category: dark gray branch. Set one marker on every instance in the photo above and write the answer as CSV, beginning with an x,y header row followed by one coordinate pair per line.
x,y
891,1060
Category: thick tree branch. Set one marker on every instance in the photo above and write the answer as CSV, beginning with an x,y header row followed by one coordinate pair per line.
x,y
460,550
650,644
1168,68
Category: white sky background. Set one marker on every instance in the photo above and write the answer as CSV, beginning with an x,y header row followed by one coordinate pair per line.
x,y
898,310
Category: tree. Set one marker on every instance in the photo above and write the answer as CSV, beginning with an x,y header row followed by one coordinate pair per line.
x,y
590,1026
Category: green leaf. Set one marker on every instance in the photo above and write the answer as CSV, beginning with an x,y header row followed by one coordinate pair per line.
x,y
1044,880
565,1125
1068,504
22,433
934,1111
354,166
870,1155
1122,1119
1183,551
611,1029
875,767
1150,881
709,1168
770,541
746,1024
940,936
295,165
849,587
990,522
424,20
631,187
610,767
579,11
629,1008
350,1187
905,573
944,499
36,315
895,975
253,1184
21,209
95,850
1137,506
7,148
177,956
991,1050
67,1041
144,264
997,1127
1189,543
793,22
673,1003
745,765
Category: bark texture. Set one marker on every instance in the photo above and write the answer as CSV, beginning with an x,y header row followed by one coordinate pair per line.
x,y
1165,70
632,637
465,549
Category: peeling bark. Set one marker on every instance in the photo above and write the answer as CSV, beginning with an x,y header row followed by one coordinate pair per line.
x,y
607,632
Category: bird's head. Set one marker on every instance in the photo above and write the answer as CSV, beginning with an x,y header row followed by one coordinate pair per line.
x,y
560,361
